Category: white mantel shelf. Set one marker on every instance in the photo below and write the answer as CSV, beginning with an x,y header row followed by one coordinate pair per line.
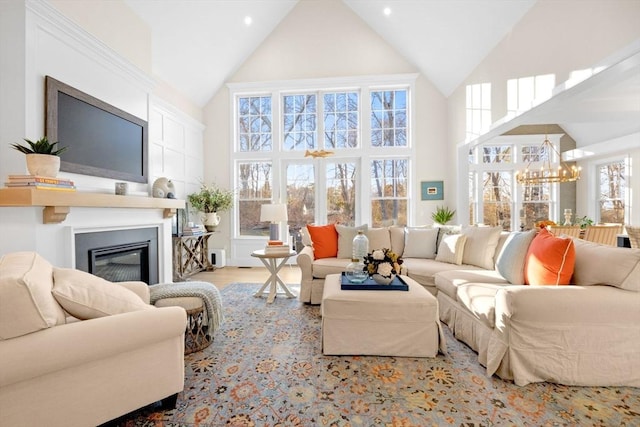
x,y
57,204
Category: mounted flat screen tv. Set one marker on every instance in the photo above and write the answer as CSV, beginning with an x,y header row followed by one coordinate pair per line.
x,y
102,139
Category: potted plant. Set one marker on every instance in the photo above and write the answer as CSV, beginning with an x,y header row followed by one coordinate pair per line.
x,y
42,156
442,215
211,200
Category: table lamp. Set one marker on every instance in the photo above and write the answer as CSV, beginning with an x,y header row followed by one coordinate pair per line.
x,y
274,213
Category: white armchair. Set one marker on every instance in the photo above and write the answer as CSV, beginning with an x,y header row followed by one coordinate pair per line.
x,y
82,372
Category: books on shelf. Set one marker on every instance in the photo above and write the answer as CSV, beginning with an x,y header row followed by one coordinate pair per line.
x,y
40,182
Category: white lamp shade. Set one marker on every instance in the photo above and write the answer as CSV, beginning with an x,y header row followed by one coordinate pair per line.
x,y
274,213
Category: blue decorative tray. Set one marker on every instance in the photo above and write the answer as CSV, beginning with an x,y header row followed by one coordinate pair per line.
x,y
370,285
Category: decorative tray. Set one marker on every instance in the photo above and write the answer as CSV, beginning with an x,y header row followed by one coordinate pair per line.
x,y
370,285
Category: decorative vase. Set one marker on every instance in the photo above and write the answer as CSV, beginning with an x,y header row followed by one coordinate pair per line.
x,y
355,271
211,220
43,164
381,280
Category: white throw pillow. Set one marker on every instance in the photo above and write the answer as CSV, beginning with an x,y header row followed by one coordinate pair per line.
x,y
379,238
26,303
420,242
345,239
510,262
86,296
451,249
480,247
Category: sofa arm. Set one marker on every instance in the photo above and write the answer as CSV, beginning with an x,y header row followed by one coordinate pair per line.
x,y
54,349
305,262
140,288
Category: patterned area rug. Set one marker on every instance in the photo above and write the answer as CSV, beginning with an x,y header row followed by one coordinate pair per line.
x,y
265,368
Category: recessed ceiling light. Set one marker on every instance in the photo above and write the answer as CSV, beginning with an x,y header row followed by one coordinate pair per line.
x,y
387,11
248,20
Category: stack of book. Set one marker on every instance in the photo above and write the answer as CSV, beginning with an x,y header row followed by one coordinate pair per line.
x,y
195,230
276,247
40,182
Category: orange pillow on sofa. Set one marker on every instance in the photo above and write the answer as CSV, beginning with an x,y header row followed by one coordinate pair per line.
x,y
324,239
550,260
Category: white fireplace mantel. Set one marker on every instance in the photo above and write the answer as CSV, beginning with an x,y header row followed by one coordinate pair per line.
x,y
57,203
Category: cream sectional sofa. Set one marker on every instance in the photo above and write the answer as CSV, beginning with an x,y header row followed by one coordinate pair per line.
x,y
57,370
583,334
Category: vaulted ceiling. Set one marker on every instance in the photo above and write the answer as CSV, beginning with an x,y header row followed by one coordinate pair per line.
x,y
198,45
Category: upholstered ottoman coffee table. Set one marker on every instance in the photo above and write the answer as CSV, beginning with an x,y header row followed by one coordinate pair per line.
x,y
380,323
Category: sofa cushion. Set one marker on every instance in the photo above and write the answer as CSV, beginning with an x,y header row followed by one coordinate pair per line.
x,y
396,234
345,239
420,242
550,260
26,303
480,300
449,281
322,267
86,296
324,239
451,249
379,238
607,265
510,261
480,247
445,230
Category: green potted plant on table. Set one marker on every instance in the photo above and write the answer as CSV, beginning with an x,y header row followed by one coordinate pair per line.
x,y
42,156
211,200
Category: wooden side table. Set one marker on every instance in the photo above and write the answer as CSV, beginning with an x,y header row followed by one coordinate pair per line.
x,y
190,255
273,262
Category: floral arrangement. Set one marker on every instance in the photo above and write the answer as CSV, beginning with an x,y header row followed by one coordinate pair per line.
x,y
545,223
382,261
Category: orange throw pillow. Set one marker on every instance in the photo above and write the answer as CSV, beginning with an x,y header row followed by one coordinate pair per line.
x,y
325,240
550,260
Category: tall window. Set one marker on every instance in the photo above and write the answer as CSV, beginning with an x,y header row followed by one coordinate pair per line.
x,y
254,123
478,106
494,196
299,122
612,181
522,92
255,189
389,118
341,124
320,154
389,196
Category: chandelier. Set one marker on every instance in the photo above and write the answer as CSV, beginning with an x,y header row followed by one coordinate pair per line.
x,y
547,173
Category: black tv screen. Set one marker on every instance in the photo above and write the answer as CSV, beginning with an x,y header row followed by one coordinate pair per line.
x,y
102,139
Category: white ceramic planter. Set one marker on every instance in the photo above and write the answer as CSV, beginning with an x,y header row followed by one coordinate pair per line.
x,y
211,220
43,164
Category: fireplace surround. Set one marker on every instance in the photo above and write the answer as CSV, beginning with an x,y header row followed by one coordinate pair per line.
x,y
119,255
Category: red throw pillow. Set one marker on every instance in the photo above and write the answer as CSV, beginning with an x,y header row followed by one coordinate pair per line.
x,y
324,239
550,260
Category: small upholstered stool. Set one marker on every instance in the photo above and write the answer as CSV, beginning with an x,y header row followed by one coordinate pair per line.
x,y
381,323
203,304
196,337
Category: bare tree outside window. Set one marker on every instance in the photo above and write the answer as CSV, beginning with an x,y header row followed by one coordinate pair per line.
x,y
301,195
341,120
612,182
341,193
254,123
299,122
389,180
255,189
389,118
497,199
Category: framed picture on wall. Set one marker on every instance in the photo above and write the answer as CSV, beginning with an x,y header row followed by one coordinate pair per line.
x,y
432,190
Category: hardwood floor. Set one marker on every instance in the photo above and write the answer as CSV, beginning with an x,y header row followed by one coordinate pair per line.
x,y
221,277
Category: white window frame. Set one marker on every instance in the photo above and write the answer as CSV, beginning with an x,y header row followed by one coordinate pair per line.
x,y
516,142
362,84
